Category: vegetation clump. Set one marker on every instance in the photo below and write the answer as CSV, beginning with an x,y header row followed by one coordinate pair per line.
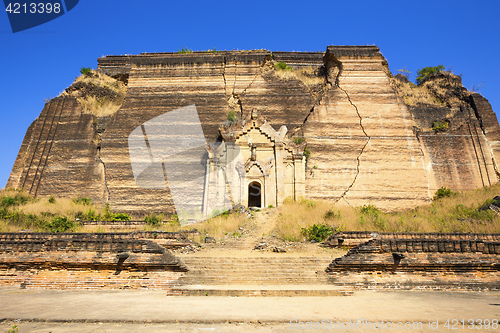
x,y
110,216
19,210
298,140
153,219
312,77
372,215
443,192
17,199
436,87
424,73
331,214
82,200
440,126
185,50
85,70
60,224
318,232
281,66
98,94
231,116
307,153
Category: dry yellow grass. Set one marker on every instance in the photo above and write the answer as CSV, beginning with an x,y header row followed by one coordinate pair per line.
x,y
414,95
99,108
458,213
435,91
35,213
102,107
307,75
7,227
221,226
61,206
293,216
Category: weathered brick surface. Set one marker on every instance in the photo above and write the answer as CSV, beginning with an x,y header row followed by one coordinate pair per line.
x,y
90,279
87,261
417,263
360,135
353,238
460,158
59,154
488,123
366,144
160,83
103,236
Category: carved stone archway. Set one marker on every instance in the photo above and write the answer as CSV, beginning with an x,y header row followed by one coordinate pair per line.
x,y
270,158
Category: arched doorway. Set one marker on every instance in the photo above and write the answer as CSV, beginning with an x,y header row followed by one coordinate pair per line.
x,y
254,194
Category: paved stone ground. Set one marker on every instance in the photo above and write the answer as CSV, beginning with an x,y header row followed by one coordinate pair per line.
x,y
152,311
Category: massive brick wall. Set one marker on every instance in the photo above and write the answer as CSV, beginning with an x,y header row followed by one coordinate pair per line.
x,y
59,154
462,157
364,147
360,135
215,83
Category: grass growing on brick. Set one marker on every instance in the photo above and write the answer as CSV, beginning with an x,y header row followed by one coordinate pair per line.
x,y
457,213
307,75
99,106
20,211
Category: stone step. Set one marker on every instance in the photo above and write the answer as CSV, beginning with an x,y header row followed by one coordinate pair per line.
x,y
263,263
299,271
262,290
255,271
252,282
236,269
255,275
208,263
273,258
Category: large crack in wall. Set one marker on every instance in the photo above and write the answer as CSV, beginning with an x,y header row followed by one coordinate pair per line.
x,y
358,158
98,130
317,99
234,100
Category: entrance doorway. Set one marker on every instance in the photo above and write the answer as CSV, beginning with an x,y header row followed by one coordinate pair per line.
x,y
254,194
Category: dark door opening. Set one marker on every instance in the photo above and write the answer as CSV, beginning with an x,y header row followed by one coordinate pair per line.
x,y
254,195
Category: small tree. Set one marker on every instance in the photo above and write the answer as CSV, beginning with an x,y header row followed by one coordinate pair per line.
x,y
85,70
424,73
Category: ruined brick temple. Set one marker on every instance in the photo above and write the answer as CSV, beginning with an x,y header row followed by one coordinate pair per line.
x,y
335,128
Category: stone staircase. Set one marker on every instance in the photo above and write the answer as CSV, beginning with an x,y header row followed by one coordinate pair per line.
x,y
256,276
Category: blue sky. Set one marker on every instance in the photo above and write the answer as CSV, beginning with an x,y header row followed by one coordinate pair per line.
x,y
41,62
